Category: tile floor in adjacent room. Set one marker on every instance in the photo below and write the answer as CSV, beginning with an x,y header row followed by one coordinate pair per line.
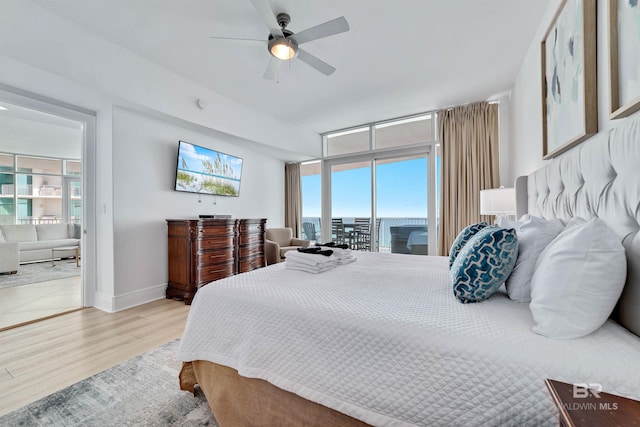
x,y
26,303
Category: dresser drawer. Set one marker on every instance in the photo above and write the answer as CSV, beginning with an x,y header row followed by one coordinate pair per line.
x,y
218,242
216,231
214,257
248,264
251,250
248,227
248,239
208,274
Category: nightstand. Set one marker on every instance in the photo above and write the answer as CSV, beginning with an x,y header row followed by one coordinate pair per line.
x,y
585,408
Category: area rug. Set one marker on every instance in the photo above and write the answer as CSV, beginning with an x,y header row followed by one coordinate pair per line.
x,y
142,391
39,272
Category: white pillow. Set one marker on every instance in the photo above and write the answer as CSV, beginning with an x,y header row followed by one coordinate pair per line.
x,y
534,234
578,280
506,222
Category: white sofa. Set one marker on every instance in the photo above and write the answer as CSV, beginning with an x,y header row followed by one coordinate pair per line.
x,y
36,241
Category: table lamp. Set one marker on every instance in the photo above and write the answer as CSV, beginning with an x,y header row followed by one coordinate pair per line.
x,y
500,202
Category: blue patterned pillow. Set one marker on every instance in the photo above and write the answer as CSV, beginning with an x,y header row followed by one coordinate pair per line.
x,y
484,264
463,237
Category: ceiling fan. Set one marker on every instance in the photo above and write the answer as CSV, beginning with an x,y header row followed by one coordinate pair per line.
x,y
283,44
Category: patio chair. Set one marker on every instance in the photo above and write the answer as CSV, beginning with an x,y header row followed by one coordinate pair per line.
x,y
362,234
337,231
309,229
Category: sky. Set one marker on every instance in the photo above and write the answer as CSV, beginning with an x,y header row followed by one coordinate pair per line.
x,y
194,154
401,191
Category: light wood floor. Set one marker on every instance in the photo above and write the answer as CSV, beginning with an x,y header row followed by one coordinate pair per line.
x,y
43,357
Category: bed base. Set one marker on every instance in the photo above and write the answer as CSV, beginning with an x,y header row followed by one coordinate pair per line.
x,y
240,401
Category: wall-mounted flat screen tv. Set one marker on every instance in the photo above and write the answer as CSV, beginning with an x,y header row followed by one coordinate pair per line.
x,y
205,171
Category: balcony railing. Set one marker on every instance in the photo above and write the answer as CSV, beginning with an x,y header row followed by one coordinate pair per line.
x,y
47,220
7,190
41,191
30,220
385,235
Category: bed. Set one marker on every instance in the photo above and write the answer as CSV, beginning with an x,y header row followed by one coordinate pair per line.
x,y
382,341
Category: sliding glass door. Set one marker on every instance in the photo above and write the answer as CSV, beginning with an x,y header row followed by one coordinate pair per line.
x,y
380,185
380,201
351,202
401,204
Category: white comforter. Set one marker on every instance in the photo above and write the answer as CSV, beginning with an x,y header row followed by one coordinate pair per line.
x,y
384,340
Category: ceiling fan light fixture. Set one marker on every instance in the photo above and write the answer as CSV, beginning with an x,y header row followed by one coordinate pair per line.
x,y
283,49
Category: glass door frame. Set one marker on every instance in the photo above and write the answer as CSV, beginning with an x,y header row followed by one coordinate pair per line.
x,y
428,150
66,196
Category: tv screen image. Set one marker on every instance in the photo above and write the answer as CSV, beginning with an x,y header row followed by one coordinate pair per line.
x,y
205,171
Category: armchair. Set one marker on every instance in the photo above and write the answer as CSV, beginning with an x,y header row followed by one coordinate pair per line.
x,y
278,241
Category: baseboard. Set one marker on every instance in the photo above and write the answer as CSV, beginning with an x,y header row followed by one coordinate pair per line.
x,y
142,296
111,304
103,302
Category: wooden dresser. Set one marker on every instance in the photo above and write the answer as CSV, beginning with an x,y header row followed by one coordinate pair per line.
x,y
201,251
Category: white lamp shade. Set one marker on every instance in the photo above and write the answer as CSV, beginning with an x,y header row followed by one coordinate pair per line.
x,y
498,201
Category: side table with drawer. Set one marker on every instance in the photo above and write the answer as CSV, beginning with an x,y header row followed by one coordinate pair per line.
x,y
582,407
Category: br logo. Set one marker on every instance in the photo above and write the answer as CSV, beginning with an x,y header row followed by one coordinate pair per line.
x,y
583,390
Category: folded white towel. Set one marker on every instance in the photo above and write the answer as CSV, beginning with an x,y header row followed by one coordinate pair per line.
x,y
308,268
309,259
346,260
341,253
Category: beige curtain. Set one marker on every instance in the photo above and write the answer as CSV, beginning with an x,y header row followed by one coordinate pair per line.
x,y
293,198
470,162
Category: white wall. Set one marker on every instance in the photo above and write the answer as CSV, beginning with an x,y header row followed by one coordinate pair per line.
x,y
526,107
526,98
144,159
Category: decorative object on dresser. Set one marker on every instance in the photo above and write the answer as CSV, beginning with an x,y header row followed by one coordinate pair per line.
x,y
201,251
585,405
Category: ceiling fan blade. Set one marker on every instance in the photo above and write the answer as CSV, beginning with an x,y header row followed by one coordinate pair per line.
x,y
272,69
268,17
315,62
329,28
237,39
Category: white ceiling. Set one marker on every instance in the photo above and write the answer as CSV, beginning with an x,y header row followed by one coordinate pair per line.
x,y
399,57
31,132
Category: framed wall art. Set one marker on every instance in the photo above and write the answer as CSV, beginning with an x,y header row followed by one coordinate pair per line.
x,y
624,57
569,85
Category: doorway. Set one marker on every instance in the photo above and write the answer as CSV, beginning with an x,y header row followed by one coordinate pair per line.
x,y
42,206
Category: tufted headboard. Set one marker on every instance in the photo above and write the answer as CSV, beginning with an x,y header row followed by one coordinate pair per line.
x,y
600,177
